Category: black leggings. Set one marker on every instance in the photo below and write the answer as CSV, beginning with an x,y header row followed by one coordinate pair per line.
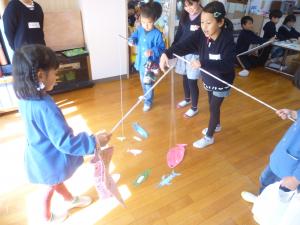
x,y
214,109
191,91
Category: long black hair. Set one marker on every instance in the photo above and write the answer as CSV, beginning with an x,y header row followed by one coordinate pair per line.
x,y
184,14
218,10
151,10
26,62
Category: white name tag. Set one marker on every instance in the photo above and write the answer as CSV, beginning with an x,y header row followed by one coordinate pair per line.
x,y
194,27
214,57
34,25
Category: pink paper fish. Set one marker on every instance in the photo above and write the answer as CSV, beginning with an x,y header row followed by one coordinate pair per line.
x,y
105,185
175,155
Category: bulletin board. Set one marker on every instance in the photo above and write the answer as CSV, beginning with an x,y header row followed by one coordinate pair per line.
x,y
63,30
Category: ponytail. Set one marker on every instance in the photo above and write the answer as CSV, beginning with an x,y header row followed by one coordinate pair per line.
x,y
228,25
218,10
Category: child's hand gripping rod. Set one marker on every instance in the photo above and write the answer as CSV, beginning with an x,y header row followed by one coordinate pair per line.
x,y
230,85
141,98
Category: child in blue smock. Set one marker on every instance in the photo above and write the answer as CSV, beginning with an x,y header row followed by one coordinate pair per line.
x,y
284,162
53,152
150,45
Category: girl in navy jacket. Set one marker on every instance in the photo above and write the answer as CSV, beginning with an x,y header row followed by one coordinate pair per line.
x,y
216,49
189,24
23,23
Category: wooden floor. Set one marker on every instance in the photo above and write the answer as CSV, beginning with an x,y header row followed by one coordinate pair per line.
x,y
208,190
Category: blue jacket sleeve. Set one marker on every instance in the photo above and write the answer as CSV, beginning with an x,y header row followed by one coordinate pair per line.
x,y
226,64
135,36
10,22
55,128
159,46
297,170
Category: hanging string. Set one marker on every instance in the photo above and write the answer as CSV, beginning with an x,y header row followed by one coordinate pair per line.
x,y
121,90
230,85
140,99
173,132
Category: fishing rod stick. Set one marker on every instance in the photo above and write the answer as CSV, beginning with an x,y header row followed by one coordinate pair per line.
x,y
230,85
140,99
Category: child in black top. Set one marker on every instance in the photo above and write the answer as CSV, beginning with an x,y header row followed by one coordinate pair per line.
x,y
189,24
287,30
216,49
23,23
270,27
245,39
270,32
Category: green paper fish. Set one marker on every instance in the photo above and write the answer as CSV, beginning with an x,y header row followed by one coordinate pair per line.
x,y
142,177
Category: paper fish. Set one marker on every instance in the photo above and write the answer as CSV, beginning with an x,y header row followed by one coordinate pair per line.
x,y
141,131
166,180
142,177
134,152
137,138
121,138
105,185
175,155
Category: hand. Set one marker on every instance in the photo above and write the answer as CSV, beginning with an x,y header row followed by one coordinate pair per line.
x,y
273,38
148,53
102,138
195,64
286,113
290,182
164,62
130,42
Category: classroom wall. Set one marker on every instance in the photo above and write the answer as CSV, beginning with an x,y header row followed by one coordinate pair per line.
x,y
49,5
58,5
103,22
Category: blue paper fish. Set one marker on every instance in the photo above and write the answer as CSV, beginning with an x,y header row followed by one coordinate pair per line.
x,y
141,131
166,180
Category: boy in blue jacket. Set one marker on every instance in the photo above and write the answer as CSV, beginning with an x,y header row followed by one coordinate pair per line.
x,y
150,46
284,164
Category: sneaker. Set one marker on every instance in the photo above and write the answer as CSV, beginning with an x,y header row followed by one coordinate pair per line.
x,y
283,67
248,197
218,129
79,202
183,104
146,108
275,66
244,73
203,142
190,113
56,218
